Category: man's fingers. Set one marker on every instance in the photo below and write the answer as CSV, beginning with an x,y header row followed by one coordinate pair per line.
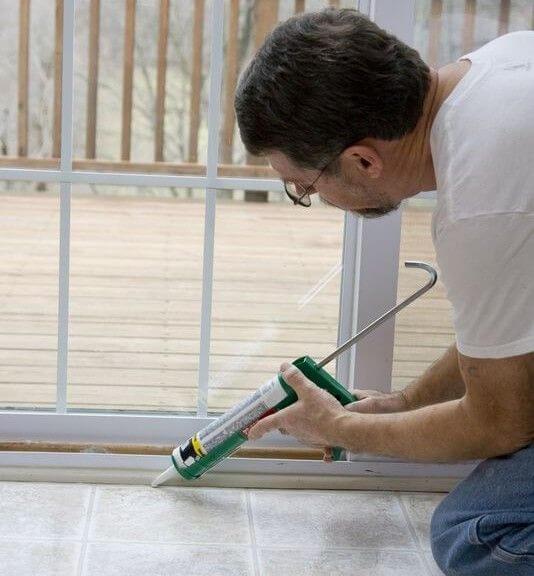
x,y
366,393
365,406
382,404
264,425
296,379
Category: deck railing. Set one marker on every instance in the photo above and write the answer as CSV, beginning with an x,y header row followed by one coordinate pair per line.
x,y
265,17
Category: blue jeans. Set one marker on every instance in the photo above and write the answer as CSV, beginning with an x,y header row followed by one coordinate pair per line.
x,y
485,526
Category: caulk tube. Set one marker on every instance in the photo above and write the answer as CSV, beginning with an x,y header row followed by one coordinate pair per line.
x,y
223,436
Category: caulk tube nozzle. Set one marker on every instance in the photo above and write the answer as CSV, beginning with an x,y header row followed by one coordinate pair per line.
x,y
164,476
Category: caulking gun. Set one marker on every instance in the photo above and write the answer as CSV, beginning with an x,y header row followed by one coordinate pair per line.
x,y
224,435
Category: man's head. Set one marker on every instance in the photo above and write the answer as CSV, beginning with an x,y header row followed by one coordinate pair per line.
x,y
322,88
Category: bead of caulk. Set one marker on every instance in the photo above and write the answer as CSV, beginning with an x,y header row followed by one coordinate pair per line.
x,y
164,476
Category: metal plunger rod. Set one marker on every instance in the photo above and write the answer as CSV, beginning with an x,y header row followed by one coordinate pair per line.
x,y
389,313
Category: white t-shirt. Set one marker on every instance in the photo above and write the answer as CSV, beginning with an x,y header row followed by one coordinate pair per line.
x,y
482,143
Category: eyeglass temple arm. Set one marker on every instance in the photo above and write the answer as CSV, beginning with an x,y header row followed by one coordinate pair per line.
x,y
389,313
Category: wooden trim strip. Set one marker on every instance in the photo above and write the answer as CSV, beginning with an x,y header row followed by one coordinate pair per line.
x,y
185,169
92,79
58,78
196,80
159,138
24,64
155,450
127,78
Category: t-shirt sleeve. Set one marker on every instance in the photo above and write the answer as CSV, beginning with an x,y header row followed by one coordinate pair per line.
x,y
487,267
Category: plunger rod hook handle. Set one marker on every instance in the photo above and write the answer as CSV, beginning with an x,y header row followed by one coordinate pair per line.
x,y
389,313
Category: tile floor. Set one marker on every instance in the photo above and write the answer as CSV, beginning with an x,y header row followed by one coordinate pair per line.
x,y
105,530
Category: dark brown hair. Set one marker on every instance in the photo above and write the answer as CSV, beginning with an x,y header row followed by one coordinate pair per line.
x,y
325,80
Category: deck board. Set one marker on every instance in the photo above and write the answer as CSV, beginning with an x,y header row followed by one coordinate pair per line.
x,y
135,287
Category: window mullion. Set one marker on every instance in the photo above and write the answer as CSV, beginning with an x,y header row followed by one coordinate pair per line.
x,y
216,64
65,195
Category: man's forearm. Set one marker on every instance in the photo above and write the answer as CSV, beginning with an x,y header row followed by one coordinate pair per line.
x,y
444,432
441,382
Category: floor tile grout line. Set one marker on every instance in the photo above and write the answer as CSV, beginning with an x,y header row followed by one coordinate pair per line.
x,y
224,545
415,538
40,539
88,517
252,532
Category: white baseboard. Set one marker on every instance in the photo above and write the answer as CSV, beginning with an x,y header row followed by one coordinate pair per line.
x,y
221,480
233,473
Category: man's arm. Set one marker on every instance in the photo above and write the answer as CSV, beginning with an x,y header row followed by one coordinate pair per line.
x,y
441,381
495,416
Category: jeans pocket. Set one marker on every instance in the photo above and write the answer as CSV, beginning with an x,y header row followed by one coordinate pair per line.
x,y
510,539
512,557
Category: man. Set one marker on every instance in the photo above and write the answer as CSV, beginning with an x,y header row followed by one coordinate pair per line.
x,y
344,110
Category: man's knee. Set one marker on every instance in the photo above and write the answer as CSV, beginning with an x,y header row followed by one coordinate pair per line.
x,y
481,544
450,540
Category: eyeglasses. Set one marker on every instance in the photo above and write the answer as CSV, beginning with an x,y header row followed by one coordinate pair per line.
x,y
299,194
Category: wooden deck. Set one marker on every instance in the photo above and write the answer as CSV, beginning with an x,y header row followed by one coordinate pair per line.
x,y
136,270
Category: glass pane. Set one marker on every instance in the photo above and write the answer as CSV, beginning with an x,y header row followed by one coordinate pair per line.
x,y
183,82
424,330
276,292
136,273
29,243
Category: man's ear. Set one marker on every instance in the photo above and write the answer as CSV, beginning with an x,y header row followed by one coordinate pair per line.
x,y
365,158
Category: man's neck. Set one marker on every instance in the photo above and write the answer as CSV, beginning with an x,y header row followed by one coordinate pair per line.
x,y
409,164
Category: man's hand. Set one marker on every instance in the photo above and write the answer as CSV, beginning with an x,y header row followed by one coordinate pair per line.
x,y
312,420
374,402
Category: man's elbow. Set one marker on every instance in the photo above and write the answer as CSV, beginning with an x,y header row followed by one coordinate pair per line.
x,y
505,437
499,401
498,431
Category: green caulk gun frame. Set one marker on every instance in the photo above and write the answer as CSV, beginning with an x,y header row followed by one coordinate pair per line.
x,y
224,435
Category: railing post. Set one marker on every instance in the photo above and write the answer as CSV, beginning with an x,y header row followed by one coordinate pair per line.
x,y
469,25
435,32
265,19
127,78
58,64
24,56
504,17
230,81
300,6
161,81
92,79
196,80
